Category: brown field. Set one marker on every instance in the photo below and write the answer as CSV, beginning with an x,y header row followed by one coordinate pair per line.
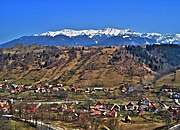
x,y
167,80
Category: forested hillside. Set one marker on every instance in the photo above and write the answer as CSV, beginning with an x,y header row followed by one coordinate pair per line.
x,y
87,66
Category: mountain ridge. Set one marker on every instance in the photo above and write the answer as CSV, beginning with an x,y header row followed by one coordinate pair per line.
x,y
104,37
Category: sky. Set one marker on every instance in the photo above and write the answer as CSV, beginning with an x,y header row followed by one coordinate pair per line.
x,y
25,17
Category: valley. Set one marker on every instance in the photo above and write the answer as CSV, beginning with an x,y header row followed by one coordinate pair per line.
x,y
99,85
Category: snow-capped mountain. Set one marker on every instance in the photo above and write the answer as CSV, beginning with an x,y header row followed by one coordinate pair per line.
x,y
104,37
90,33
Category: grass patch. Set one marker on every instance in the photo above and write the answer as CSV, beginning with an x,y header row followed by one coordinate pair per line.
x,y
18,125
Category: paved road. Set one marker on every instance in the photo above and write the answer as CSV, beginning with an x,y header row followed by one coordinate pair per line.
x,y
176,127
60,102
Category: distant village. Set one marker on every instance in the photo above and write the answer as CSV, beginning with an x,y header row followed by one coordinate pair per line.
x,y
81,109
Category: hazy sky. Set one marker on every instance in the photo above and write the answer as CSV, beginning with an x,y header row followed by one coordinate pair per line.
x,y
26,17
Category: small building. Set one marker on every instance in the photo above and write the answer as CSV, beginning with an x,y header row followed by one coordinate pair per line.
x,y
95,113
116,107
166,88
112,113
130,106
99,89
7,117
55,89
176,95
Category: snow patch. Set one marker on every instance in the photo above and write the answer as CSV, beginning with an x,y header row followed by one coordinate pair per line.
x,y
125,36
91,33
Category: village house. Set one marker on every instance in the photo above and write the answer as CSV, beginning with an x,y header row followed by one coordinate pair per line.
x,y
5,109
87,90
109,89
59,85
71,109
123,89
76,89
98,109
15,89
50,86
31,108
147,105
166,88
146,87
116,107
98,89
64,107
153,107
2,86
95,113
130,106
112,113
42,90
174,109
27,87
55,89
3,104
176,95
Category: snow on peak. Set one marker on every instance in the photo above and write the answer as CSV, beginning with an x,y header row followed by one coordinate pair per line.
x,y
153,34
178,36
125,33
90,32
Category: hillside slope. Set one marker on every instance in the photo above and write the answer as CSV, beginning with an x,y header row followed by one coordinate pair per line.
x,y
86,66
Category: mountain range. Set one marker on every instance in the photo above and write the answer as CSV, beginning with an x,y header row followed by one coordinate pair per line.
x,y
104,37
